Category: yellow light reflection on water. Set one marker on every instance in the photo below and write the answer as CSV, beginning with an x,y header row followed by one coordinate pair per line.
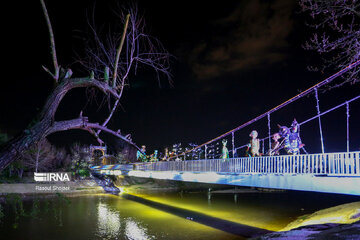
x,y
138,221
251,216
263,217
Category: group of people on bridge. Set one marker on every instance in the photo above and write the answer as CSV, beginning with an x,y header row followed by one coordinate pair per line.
x,y
287,140
141,155
290,142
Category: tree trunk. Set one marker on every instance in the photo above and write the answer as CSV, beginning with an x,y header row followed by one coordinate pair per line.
x,y
47,125
19,145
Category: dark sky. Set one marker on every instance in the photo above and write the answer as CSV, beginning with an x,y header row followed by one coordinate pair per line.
x,y
233,60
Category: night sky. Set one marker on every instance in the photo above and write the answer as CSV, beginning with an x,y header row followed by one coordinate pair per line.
x,y
232,61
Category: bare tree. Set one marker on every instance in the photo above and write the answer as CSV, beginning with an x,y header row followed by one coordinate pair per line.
x,y
80,158
109,64
40,156
337,36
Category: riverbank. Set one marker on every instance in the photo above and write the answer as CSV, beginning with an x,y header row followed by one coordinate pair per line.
x,y
125,183
72,188
339,222
329,231
83,187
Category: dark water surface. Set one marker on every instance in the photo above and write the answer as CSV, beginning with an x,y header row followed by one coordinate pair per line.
x,y
124,217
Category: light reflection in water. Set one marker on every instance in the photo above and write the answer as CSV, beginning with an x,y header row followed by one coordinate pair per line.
x,y
111,225
135,232
108,221
209,198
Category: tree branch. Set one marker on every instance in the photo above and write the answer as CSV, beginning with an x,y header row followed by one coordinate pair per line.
x,y
337,34
119,49
60,91
55,75
83,124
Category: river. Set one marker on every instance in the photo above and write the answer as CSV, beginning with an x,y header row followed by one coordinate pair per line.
x,y
196,215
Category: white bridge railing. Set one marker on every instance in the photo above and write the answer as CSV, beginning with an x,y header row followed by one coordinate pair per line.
x,y
347,164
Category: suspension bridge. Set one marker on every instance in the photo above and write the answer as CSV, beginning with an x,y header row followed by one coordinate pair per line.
x,y
322,172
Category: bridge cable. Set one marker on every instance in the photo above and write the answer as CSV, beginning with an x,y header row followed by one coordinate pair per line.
x,y
293,99
312,118
330,110
347,127
233,144
319,115
269,130
205,152
320,127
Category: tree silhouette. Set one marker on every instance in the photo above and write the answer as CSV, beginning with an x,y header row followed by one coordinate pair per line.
x,y
337,36
109,63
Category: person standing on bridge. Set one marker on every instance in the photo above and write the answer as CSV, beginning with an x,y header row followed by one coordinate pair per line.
x,y
154,156
166,155
225,151
293,142
275,145
254,144
141,154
